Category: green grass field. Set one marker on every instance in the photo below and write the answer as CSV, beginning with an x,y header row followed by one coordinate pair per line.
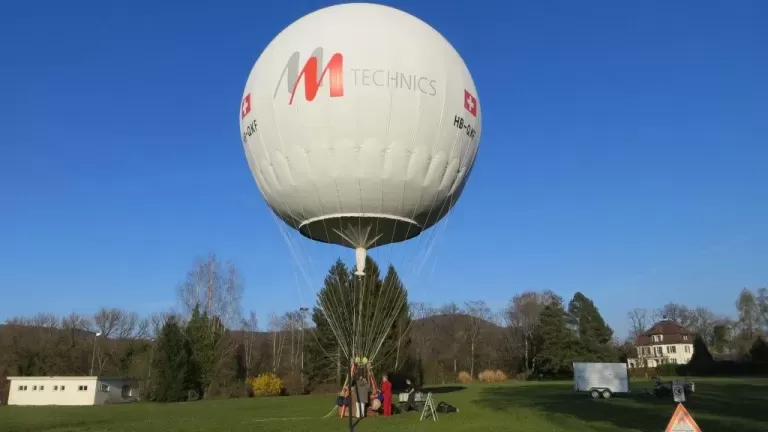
x,y
718,405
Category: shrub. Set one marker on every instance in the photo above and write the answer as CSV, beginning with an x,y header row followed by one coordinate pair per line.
x,y
267,384
523,376
668,369
465,378
492,376
292,383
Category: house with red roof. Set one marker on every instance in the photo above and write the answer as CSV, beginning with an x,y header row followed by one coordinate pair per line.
x,y
667,342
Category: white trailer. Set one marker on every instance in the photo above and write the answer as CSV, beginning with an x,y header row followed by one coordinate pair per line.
x,y
601,380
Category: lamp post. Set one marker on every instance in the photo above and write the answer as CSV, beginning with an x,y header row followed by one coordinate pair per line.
x,y
303,311
93,356
151,357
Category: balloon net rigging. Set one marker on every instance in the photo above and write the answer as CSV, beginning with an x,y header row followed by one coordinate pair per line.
x,y
362,309
362,306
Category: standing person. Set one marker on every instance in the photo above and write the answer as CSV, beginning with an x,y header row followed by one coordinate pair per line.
x,y
411,404
386,389
363,395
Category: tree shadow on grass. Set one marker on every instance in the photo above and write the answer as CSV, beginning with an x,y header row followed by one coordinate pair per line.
x,y
443,389
70,425
720,406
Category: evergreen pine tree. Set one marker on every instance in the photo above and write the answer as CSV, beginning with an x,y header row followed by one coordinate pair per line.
x,y
205,334
720,339
759,351
701,360
171,364
393,352
371,300
558,344
325,361
194,330
595,336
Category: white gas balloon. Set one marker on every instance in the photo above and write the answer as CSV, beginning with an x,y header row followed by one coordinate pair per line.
x,y
361,125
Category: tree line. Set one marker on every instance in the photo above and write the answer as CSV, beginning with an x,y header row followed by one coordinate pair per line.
x,y
209,347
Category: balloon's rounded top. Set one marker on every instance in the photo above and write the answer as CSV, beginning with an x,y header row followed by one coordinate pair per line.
x,y
360,123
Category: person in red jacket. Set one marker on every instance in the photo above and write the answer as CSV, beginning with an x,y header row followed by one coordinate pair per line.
x,y
386,390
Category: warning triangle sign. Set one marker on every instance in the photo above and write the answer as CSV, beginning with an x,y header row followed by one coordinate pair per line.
x,y
681,421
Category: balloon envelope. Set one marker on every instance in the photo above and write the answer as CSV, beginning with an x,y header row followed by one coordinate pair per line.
x,y
360,119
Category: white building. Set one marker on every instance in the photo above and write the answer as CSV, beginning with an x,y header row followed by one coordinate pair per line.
x,y
65,390
665,343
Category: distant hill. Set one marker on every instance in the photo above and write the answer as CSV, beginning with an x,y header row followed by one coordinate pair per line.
x,y
433,324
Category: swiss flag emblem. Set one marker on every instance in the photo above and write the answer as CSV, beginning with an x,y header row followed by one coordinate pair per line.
x,y
470,103
245,107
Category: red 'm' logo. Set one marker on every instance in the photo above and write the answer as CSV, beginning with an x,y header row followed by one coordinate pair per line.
x,y
313,75
309,72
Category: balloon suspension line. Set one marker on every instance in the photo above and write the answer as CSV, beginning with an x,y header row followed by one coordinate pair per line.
x,y
352,381
358,237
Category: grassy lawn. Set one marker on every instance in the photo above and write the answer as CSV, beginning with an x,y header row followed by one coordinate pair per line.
x,y
717,405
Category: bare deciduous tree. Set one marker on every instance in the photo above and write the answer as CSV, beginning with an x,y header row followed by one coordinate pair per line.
x,y
250,327
107,320
450,331
681,314
293,323
76,326
217,288
41,320
638,323
76,321
156,321
762,308
276,326
702,321
749,314
479,315
421,338
522,318
123,328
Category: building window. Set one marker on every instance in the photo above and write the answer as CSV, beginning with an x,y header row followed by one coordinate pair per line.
x,y
125,391
42,388
82,388
658,338
659,351
34,388
104,387
22,388
674,360
55,388
63,388
671,349
685,337
687,348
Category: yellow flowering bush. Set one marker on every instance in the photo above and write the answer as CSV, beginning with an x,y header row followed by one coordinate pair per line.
x,y
267,384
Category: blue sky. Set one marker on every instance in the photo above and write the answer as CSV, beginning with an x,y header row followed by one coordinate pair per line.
x,y
624,154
